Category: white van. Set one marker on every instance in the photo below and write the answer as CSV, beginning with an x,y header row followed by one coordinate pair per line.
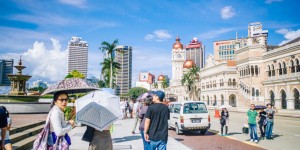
x,y
189,116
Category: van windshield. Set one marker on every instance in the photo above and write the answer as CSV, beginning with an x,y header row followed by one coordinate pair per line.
x,y
191,108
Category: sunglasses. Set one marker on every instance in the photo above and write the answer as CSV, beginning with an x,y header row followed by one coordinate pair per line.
x,y
62,100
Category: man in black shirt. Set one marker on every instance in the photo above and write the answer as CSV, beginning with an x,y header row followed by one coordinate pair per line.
x,y
3,125
156,124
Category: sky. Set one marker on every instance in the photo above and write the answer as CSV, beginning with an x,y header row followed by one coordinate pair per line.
x,y
39,30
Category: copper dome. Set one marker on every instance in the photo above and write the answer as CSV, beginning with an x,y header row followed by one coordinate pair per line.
x,y
188,64
161,77
177,44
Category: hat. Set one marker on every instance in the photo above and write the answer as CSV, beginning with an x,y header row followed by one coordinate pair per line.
x,y
160,94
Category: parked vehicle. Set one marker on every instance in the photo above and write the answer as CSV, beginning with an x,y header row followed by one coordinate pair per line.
x,y
189,116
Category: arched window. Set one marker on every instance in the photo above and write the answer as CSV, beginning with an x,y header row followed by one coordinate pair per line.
x,y
272,98
283,99
256,70
252,70
292,67
273,70
229,82
253,92
233,82
297,65
257,93
269,71
284,68
279,69
296,99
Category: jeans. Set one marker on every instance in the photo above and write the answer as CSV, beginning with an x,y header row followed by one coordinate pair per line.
x,y
262,129
253,131
269,129
160,145
146,144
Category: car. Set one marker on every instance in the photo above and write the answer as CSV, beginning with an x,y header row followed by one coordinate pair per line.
x,y
189,116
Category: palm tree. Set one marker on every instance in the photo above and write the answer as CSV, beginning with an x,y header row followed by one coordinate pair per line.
x,y
164,83
155,85
106,72
189,79
110,49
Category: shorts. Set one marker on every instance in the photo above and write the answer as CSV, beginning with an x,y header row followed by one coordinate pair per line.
x,y
6,142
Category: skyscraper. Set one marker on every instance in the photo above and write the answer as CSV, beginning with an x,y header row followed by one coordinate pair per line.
x,y
78,55
124,74
6,67
195,52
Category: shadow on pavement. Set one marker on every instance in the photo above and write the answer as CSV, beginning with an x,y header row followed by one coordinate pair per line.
x,y
126,138
198,134
179,139
233,133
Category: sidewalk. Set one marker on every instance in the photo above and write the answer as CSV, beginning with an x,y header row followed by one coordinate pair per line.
x,y
122,138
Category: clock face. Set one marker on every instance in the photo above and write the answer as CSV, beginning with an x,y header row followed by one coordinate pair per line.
x,y
178,56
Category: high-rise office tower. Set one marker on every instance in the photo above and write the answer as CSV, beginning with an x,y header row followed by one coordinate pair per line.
x,y
195,51
78,55
124,74
6,67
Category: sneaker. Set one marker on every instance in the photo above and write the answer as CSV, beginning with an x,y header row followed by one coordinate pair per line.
x,y
251,140
132,132
256,141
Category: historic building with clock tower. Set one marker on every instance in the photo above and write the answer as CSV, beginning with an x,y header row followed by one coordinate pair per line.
x,y
178,58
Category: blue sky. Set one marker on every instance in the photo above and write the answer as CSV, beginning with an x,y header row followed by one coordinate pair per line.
x,y
40,29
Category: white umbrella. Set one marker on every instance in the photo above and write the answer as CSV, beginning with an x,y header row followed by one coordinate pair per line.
x,y
98,109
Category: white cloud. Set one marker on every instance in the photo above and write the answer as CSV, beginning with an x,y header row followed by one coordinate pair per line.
x,y
43,19
288,35
271,1
42,62
76,3
215,33
227,12
158,35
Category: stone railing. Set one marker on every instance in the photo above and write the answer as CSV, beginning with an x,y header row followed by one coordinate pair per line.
x,y
26,107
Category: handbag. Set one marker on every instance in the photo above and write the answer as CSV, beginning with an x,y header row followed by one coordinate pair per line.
x,y
44,141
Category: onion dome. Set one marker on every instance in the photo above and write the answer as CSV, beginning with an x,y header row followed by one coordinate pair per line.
x,y
188,64
161,77
177,44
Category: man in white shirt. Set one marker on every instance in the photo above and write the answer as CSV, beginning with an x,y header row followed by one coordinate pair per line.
x,y
136,115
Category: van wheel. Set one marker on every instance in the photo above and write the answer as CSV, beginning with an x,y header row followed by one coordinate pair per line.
x,y
203,132
177,130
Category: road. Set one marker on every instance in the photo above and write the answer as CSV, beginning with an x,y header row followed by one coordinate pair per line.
x,y
286,135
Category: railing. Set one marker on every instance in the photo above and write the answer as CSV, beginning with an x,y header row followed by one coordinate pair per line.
x,y
284,76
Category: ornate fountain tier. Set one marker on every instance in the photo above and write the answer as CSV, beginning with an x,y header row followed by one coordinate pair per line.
x,y
18,81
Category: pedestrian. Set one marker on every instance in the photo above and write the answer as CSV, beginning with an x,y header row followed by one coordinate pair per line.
x,y
224,121
123,108
58,125
127,108
131,103
270,120
3,125
262,123
252,116
135,115
156,123
7,142
142,113
98,140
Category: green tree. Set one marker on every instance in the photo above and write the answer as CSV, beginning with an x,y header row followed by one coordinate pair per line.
x,y
164,83
110,49
106,70
101,84
75,74
136,91
40,89
155,85
189,80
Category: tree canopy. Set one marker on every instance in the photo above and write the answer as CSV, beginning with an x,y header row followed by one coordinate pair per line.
x,y
136,91
75,74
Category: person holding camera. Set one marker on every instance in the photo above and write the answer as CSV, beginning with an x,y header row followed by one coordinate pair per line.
x,y
270,120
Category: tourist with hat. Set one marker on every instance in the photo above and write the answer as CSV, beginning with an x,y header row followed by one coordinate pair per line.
x,y
156,123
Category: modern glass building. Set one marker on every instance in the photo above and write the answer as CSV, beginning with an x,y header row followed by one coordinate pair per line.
x,y
78,55
6,67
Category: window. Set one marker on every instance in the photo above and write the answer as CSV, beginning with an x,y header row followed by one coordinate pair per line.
x,y
190,108
177,108
171,108
279,69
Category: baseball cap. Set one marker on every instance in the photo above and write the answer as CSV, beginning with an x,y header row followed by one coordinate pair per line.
x,y
160,94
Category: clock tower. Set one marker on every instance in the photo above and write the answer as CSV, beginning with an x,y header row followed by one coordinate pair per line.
x,y
178,58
